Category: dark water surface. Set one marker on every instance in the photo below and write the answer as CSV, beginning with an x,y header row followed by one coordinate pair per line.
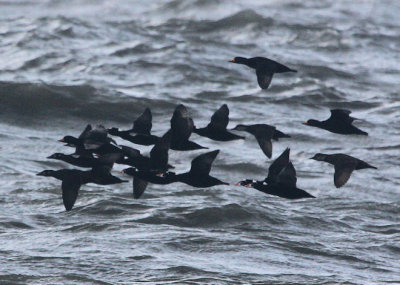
x,y
67,63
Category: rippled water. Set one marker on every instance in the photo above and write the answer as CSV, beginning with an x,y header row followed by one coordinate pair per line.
x,y
67,63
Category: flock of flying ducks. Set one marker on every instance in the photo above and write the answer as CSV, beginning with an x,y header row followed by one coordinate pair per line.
x,y
95,149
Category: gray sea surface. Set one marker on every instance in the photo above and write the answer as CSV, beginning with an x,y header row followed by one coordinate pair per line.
x,y
64,64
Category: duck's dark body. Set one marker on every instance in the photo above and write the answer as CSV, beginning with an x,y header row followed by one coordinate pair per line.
x,y
141,127
281,180
73,179
344,166
185,145
91,140
102,176
265,68
340,122
216,129
337,127
140,139
199,173
80,161
264,134
87,160
282,191
181,129
216,135
198,181
148,168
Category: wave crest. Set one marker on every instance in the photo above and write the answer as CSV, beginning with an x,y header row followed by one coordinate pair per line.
x,y
28,103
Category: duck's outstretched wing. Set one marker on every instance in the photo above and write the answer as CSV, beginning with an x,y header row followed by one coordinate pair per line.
x,y
287,177
70,188
142,124
139,186
264,77
96,138
159,153
220,119
342,115
85,132
277,166
343,172
107,160
181,124
130,151
264,134
201,165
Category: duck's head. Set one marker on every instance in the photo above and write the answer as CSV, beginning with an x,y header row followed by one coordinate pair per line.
x,y
130,171
56,155
319,157
113,131
246,183
69,140
46,173
166,174
312,123
240,127
239,60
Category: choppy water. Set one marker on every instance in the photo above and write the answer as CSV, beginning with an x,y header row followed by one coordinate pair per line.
x,y
67,63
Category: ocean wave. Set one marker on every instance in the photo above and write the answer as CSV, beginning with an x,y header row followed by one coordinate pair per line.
x,y
37,61
204,217
187,5
326,97
28,103
14,225
233,22
139,49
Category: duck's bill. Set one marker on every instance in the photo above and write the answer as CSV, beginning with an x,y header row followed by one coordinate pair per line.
x,y
245,185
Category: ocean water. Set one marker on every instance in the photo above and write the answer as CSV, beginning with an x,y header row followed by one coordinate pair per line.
x,y
64,64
